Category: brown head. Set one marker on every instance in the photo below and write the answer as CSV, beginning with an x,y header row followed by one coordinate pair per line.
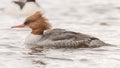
x,y
37,23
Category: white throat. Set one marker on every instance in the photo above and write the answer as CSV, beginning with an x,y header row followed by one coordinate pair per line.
x,y
32,40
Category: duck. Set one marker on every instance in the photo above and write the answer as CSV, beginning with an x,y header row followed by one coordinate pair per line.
x,y
17,8
42,35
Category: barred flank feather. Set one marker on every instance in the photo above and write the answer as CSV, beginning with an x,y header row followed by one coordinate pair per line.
x,y
69,44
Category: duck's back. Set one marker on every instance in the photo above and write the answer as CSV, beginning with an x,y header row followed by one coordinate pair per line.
x,y
63,38
61,34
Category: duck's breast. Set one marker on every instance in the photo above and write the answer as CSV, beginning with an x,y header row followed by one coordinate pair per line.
x,y
32,40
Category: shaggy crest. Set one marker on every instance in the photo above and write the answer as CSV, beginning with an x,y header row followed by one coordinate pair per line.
x,y
38,17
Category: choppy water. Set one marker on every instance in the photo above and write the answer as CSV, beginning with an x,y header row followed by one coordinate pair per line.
x,y
99,18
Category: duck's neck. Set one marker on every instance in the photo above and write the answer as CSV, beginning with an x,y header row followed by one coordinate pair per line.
x,y
37,31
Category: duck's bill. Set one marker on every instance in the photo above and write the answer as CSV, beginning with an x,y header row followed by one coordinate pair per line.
x,y
18,26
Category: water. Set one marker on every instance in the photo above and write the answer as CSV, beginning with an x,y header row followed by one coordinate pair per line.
x,y
99,18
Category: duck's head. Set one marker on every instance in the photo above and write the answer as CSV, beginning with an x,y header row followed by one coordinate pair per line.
x,y
37,23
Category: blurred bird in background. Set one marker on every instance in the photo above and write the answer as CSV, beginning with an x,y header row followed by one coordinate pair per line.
x,y
21,7
18,8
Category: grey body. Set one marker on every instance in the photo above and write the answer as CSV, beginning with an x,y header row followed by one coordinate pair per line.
x,y
61,38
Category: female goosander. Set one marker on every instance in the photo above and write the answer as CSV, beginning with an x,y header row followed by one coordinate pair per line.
x,y
43,36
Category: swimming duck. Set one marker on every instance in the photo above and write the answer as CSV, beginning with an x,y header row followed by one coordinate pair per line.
x,y
43,36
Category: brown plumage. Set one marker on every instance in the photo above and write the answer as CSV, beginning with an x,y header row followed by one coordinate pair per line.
x,y
38,17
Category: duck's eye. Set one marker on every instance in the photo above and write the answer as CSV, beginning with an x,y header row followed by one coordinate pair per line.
x,y
26,23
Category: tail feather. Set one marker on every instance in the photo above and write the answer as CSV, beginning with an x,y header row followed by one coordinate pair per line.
x,y
98,43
